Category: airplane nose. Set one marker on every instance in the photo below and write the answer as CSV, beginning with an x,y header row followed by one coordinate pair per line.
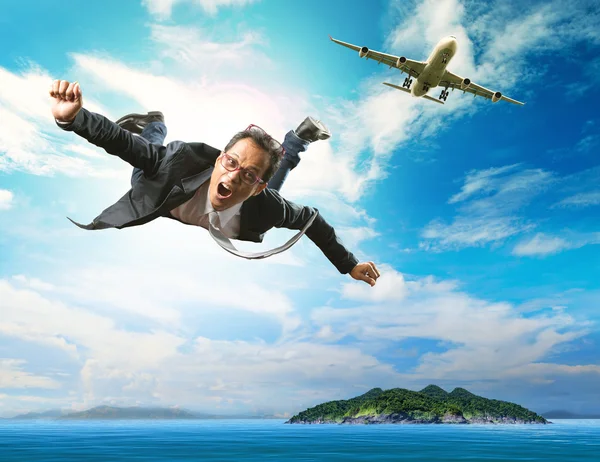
x,y
451,42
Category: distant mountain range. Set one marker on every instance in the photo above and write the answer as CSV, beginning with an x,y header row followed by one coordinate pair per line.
x,y
430,405
109,412
129,413
53,414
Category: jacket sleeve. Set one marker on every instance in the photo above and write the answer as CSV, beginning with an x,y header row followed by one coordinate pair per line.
x,y
104,133
295,216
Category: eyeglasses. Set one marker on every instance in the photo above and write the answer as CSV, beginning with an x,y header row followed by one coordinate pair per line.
x,y
231,164
275,145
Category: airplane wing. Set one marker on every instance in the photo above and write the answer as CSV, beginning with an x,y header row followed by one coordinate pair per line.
x,y
451,80
412,68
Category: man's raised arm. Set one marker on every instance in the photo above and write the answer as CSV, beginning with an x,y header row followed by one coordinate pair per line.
x,y
68,111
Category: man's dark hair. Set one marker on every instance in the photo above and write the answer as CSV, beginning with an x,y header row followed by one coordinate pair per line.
x,y
264,142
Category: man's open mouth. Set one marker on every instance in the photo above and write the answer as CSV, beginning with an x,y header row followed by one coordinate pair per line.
x,y
224,191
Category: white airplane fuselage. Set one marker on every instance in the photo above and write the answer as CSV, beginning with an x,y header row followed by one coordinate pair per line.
x,y
437,62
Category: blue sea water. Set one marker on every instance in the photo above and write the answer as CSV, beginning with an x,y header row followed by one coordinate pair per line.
x,y
260,440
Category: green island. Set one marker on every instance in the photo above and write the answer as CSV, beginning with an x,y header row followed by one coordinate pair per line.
x,y
431,405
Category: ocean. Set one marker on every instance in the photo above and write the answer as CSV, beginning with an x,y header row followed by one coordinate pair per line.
x,y
260,440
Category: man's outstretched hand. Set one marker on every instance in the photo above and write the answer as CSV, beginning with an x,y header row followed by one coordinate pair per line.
x,y
67,100
367,272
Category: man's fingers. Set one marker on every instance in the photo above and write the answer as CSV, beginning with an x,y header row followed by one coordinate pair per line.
x,y
62,88
365,276
73,92
69,95
54,88
366,272
65,90
373,270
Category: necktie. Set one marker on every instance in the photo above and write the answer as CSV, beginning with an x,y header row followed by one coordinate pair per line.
x,y
214,229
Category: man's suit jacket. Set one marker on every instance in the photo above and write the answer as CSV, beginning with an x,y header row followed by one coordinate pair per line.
x,y
173,173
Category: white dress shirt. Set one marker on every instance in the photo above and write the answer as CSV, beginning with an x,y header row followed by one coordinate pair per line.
x,y
195,212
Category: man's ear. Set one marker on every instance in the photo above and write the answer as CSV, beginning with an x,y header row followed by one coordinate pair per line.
x,y
217,159
259,189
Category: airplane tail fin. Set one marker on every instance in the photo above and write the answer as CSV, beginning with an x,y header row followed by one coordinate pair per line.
x,y
406,90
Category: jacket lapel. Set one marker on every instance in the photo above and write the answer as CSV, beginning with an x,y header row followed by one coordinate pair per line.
x,y
192,183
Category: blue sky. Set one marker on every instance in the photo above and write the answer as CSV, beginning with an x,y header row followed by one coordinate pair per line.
x,y
482,217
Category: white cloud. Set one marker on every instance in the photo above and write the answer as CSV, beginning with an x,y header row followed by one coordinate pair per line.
x,y
160,8
157,370
470,231
6,199
163,8
508,34
552,370
479,339
193,50
490,208
482,181
168,364
215,124
352,237
390,287
29,316
12,375
30,141
542,244
33,283
581,200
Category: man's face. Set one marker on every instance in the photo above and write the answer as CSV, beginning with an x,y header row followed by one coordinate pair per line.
x,y
227,188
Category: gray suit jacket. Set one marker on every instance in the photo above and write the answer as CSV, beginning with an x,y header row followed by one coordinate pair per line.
x,y
173,173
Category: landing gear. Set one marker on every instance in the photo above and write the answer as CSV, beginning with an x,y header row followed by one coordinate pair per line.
x,y
444,95
425,87
407,82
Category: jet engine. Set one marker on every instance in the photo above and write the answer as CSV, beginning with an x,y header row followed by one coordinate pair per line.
x,y
401,60
496,97
465,84
363,52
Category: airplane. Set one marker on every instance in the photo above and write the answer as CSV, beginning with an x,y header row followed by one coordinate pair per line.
x,y
431,73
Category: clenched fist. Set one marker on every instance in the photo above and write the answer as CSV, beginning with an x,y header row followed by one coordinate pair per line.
x,y
67,100
367,272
